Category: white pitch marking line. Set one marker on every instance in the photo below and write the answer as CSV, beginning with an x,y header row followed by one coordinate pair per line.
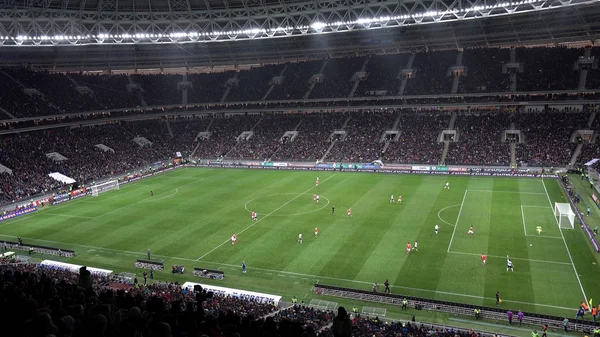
x,y
514,258
254,223
533,206
443,209
565,242
458,217
523,217
517,192
70,215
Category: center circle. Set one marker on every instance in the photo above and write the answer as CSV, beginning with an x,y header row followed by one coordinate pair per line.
x,y
276,213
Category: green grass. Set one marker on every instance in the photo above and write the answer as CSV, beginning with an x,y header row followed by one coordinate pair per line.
x,y
194,212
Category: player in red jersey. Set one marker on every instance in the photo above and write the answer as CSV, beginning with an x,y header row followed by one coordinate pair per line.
x,y
471,231
254,216
349,212
316,232
483,258
408,247
233,239
314,198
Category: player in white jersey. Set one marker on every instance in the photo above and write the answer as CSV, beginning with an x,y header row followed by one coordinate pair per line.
x,y
416,246
300,238
509,264
436,228
392,199
447,186
318,198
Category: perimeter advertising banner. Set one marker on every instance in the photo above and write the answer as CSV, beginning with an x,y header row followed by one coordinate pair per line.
x,y
20,212
250,295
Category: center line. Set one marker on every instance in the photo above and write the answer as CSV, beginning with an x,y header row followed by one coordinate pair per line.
x,y
259,220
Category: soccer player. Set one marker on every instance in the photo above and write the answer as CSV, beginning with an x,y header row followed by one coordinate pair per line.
x,y
447,186
436,228
332,210
399,199
375,287
483,258
471,231
317,182
151,193
149,255
254,217
318,198
300,238
416,246
497,298
244,267
408,247
349,212
233,239
316,232
314,198
387,287
392,199
509,264
538,229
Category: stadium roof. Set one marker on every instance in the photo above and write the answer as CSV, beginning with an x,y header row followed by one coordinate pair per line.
x,y
143,34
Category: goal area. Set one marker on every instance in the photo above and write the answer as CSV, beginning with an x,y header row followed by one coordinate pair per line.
x,y
564,215
105,187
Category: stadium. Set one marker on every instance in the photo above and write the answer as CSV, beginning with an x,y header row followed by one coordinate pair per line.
x,y
299,168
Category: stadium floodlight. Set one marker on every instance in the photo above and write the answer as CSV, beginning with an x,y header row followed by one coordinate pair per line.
x,y
318,25
564,215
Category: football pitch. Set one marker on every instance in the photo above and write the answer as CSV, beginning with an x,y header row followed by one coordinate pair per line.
x,y
194,212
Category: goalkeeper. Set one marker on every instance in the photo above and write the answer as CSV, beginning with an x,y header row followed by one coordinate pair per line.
x,y
538,229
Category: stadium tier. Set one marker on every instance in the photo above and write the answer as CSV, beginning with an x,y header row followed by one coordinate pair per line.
x,y
479,137
27,92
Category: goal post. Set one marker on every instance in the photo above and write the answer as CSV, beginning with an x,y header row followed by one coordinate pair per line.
x,y
564,215
104,187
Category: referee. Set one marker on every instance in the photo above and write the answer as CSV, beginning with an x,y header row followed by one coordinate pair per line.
x,y
332,209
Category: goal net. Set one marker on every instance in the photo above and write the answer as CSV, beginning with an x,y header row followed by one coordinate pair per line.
x,y
105,187
564,215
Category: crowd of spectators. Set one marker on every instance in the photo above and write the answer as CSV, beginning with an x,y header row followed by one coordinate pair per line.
x,y
547,143
94,152
548,71
432,75
254,83
382,76
539,69
418,139
363,140
338,75
313,137
266,138
480,139
41,301
483,71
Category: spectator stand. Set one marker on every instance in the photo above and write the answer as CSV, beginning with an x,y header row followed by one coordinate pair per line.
x,y
323,305
147,264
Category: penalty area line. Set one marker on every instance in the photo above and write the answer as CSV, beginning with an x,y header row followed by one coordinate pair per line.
x,y
254,223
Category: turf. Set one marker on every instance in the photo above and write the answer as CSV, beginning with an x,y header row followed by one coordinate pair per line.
x,y
194,212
